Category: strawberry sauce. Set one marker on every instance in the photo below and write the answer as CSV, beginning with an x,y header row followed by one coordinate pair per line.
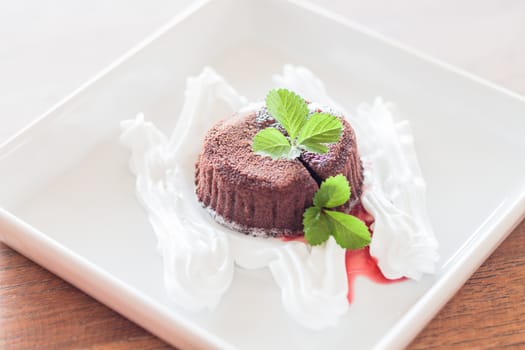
x,y
360,262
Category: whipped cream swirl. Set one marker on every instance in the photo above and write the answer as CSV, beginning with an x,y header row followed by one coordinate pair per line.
x,y
199,254
198,264
313,280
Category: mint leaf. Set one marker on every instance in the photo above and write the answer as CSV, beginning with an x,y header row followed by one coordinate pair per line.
x,y
289,109
349,232
319,223
316,226
320,128
271,142
310,134
333,192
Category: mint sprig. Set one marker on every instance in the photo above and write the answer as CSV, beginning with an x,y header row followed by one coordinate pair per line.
x,y
305,133
319,222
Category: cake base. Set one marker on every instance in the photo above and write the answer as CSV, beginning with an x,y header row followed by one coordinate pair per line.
x,y
263,232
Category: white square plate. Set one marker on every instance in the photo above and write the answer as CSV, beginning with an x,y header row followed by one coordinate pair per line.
x,y
69,204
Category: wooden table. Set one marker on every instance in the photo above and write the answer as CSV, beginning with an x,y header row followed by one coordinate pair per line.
x,y
39,310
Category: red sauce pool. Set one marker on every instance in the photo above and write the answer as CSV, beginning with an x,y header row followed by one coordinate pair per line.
x,y
359,262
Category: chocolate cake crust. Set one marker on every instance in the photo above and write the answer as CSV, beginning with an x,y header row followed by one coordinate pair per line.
x,y
257,195
254,192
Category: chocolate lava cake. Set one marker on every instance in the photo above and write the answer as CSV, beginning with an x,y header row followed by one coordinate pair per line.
x,y
256,195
